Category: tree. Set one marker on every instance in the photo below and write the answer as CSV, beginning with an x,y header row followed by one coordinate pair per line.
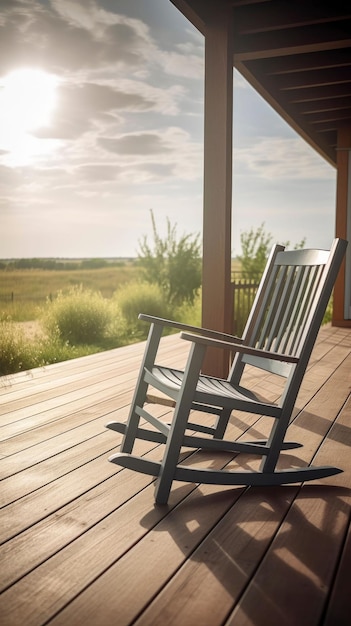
x,y
255,247
174,264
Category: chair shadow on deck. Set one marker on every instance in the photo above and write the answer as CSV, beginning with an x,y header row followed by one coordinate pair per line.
x,y
272,551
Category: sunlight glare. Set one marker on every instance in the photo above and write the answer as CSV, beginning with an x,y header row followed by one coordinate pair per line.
x,y
28,98
27,101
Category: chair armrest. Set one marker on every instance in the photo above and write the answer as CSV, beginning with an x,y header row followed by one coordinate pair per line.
x,y
238,347
205,332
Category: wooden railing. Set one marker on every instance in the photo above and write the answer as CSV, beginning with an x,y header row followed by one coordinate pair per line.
x,y
244,291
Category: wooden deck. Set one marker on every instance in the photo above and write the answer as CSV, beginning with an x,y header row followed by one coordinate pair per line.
x,y
83,543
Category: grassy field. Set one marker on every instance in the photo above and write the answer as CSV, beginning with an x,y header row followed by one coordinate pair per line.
x,y
22,291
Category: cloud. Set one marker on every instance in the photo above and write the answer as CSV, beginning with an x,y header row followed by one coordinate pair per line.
x,y
159,171
173,62
30,35
155,155
277,158
136,143
79,106
71,36
98,172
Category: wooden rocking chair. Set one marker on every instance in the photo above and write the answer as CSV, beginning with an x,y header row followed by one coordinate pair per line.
x,y
279,336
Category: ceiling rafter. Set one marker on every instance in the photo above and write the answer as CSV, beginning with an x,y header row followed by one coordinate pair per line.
x,y
328,104
306,62
284,14
314,78
287,42
328,116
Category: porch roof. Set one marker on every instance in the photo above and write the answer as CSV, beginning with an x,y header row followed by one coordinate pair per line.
x,y
297,55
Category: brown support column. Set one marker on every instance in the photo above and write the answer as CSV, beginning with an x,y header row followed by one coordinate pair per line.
x,y
217,300
342,194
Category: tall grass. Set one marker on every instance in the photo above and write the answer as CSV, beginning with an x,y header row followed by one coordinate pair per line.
x,y
19,353
21,310
16,353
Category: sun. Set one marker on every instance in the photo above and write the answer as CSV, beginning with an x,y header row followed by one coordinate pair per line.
x,y
28,97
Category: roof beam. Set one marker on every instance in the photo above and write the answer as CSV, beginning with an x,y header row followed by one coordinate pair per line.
x,y
192,11
291,42
305,62
284,14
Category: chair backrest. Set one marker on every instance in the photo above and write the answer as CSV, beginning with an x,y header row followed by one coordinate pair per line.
x,y
289,306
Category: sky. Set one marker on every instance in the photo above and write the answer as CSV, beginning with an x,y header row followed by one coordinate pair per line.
x,y
101,121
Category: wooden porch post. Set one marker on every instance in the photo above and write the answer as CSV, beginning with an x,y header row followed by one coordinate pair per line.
x,y
343,225
217,300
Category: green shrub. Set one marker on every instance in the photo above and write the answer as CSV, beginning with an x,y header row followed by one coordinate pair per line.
x,y
116,334
140,297
78,316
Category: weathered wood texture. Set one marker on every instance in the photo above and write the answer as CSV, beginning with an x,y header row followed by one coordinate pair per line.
x,y
82,541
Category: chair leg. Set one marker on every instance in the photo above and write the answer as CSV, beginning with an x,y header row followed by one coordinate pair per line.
x,y
170,459
139,398
275,444
179,424
134,418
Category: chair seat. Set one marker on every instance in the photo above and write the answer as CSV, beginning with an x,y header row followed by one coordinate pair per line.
x,y
207,388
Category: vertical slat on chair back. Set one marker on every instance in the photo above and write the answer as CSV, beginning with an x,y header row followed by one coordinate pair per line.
x,y
289,309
